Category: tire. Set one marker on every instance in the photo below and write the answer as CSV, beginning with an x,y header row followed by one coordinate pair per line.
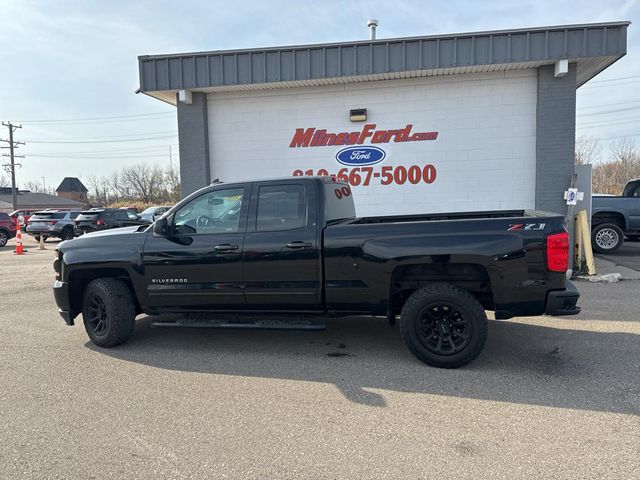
x,y
67,234
439,316
37,238
606,238
108,312
4,238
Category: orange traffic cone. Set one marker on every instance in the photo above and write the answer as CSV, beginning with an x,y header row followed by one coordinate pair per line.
x,y
19,250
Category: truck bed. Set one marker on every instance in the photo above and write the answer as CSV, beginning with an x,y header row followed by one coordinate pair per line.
x,y
429,217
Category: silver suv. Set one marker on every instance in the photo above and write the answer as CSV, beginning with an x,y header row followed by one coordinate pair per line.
x,y
52,223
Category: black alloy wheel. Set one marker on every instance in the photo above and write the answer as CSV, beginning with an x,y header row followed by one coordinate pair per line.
x,y
108,311
443,325
96,315
443,329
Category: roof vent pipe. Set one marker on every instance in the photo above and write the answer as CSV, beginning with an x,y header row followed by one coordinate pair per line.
x,y
372,24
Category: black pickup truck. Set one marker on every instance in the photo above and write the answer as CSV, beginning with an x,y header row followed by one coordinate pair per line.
x,y
291,252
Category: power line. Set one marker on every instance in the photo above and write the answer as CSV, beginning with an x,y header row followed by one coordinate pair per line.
x,y
608,105
121,155
616,85
616,79
106,141
117,150
608,112
617,138
89,119
108,136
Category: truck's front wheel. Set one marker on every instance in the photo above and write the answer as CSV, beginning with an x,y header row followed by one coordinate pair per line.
x,y
443,325
108,312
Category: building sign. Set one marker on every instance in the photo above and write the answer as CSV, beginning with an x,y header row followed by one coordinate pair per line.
x,y
361,158
312,137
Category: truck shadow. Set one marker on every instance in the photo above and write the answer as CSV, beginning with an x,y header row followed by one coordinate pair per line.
x,y
521,363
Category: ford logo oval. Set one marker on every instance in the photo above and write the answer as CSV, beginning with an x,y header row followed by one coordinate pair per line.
x,y
360,156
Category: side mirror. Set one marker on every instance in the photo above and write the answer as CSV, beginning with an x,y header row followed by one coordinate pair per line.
x,y
161,227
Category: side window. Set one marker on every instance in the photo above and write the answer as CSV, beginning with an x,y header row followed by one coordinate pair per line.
x,y
281,207
213,212
122,215
131,215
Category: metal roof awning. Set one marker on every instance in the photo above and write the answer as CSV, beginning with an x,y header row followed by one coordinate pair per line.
x,y
593,47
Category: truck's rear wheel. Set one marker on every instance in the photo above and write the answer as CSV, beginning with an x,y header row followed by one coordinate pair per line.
x,y
108,312
606,238
443,325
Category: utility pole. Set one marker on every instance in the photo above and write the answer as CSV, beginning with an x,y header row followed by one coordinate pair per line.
x,y
12,165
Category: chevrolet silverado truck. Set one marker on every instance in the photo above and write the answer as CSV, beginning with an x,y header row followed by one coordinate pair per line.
x,y
286,253
613,217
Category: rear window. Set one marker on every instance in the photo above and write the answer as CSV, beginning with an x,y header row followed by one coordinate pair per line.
x,y
88,215
48,216
338,201
281,207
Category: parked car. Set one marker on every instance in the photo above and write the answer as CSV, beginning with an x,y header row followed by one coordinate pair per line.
x,y
52,223
103,219
293,247
7,228
21,217
613,217
152,213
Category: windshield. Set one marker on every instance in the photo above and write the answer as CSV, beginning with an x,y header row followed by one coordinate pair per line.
x,y
149,211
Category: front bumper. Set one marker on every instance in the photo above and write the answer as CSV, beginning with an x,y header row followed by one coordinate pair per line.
x,y
61,295
563,302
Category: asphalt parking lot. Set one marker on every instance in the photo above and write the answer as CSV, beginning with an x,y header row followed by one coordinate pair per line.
x,y
628,255
548,398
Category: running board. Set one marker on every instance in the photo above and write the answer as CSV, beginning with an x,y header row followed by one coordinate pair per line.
x,y
243,324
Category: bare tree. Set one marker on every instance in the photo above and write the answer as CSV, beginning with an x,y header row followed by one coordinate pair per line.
x,y
4,181
611,177
98,190
172,183
33,186
587,150
145,181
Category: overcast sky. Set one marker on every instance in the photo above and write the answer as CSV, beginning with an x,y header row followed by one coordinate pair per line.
x,y
64,61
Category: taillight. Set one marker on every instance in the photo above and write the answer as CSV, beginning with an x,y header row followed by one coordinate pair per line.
x,y
100,222
558,252
53,222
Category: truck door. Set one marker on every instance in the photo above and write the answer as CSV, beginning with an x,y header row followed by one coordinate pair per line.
x,y
281,257
199,264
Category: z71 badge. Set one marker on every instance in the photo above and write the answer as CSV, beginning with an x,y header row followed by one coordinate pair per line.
x,y
526,226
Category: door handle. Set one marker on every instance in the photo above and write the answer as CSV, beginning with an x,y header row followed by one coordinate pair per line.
x,y
298,244
225,247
